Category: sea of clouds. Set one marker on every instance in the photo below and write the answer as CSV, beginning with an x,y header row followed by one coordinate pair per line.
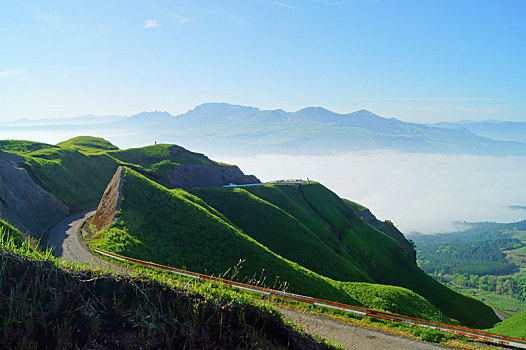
x,y
418,192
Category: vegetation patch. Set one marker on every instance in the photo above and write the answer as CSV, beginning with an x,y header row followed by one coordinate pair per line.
x,y
78,170
48,304
514,326
9,232
167,227
22,146
203,232
484,260
88,144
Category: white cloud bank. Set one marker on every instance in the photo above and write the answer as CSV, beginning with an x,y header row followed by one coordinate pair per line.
x,y
418,192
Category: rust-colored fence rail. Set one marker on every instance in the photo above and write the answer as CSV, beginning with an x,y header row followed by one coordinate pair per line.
x,y
468,332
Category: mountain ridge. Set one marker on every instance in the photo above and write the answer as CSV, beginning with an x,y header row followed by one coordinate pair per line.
x,y
245,130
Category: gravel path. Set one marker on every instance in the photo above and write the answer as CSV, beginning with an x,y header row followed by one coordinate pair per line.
x,y
65,239
351,337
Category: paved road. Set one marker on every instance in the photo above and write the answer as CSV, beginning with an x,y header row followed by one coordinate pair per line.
x,y
65,239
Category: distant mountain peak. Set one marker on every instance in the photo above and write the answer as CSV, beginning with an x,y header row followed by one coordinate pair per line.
x,y
214,112
363,113
216,106
152,113
314,109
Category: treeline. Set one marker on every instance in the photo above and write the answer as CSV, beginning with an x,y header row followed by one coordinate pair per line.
x,y
474,258
513,286
467,258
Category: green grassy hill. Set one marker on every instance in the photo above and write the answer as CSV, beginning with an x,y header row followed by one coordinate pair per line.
x,y
266,223
78,170
335,226
88,144
177,228
514,326
156,161
165,226
211,229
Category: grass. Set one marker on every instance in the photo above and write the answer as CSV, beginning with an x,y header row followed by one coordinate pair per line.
x,y
180,229
22,146
266,223
400,329
520,251
48,303
8,231
78,170
505,304
166,227
76,178
514,326
394,299
88,144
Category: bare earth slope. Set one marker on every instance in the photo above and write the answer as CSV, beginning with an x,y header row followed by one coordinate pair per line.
x,y
110,203
21,198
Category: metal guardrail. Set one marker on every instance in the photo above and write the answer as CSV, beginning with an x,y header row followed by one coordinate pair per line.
x,y
468,332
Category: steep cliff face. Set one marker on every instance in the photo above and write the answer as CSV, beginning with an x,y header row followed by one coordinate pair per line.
x,y
109,205
23,203
185,176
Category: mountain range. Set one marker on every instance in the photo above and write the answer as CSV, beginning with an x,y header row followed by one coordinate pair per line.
x,y
310,131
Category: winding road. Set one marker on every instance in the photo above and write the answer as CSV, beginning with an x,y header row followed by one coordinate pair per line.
x,y
67,244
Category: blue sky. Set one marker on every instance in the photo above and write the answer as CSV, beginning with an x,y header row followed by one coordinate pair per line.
x,y
420,61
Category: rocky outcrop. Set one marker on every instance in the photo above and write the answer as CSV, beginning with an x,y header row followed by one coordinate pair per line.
x,y
188,176
109,205
23,203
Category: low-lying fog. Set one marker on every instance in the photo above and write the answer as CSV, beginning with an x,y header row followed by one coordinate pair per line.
x,y
418,192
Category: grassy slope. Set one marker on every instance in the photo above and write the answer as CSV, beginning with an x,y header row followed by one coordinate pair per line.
x,y
386,227
22,146
76,178
336,225
176,228
164,226
281,232
514,326
78,170
88,144
158,160
394,299
54,305
388,264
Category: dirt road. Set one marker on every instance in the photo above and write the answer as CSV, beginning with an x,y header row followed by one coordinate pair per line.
x,y
65,239
351,337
